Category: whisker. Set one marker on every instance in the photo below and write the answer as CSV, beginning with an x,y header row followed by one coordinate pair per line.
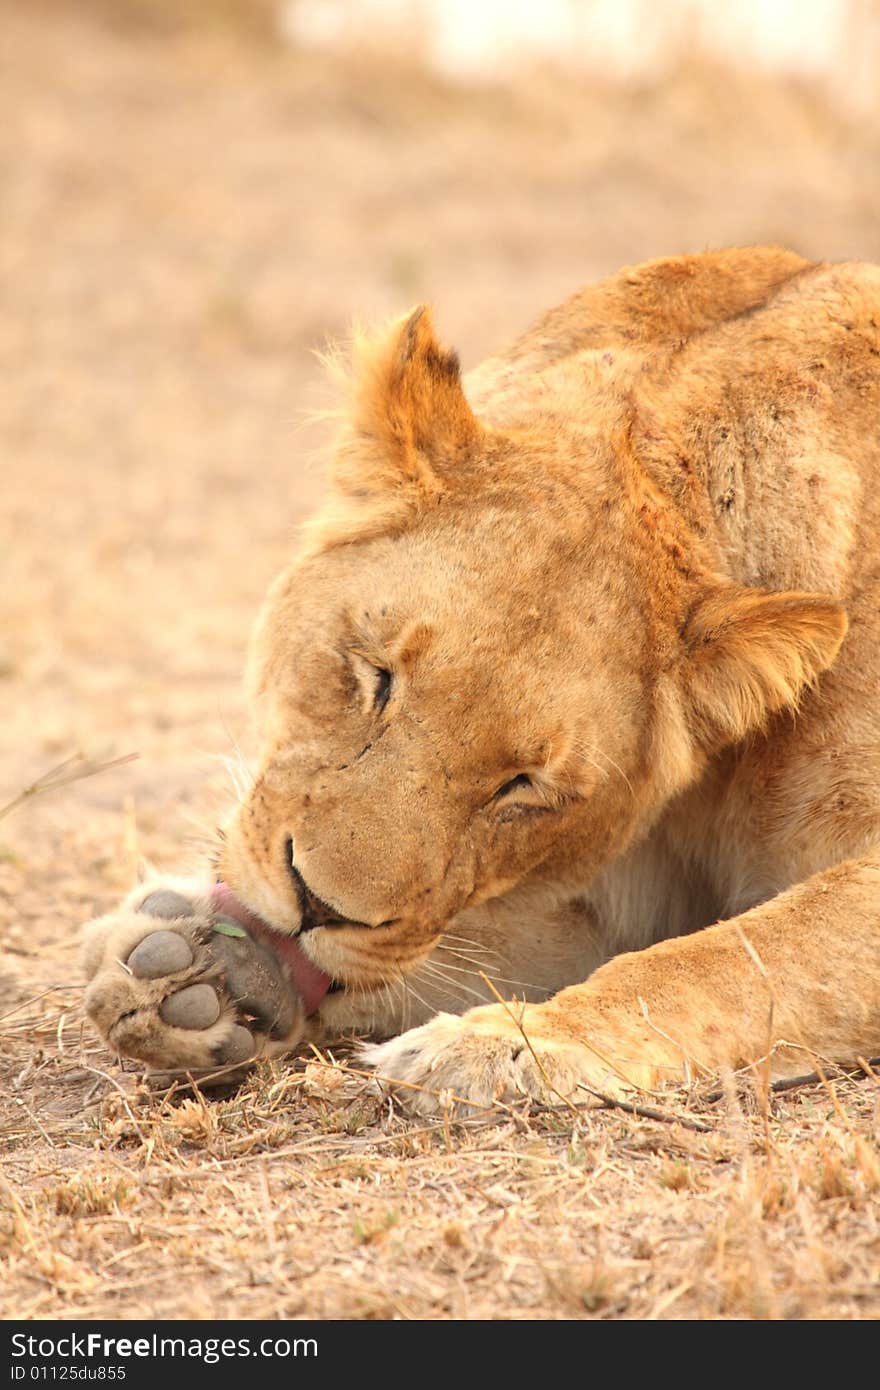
x,y
469,941
457,995
396,1004
243,768
470,949
466,956
424,1003
475,994
496,979
440,972
404,1002
602,771
394,994
591,752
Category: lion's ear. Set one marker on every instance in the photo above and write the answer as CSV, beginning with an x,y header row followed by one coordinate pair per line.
x,y
408,423
751,653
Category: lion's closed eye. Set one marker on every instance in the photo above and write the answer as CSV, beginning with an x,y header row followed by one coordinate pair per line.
x,y
384,686
515,784
522,795
376,681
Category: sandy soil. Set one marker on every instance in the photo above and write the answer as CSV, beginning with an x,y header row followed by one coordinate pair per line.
x,y
185,214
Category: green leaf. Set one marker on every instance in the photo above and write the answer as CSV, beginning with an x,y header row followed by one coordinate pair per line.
x,y
227,926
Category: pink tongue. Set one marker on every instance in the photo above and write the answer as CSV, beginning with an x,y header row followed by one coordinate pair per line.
x,y
309,982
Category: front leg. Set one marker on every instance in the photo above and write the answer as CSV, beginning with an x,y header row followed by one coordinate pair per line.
x,y
796,977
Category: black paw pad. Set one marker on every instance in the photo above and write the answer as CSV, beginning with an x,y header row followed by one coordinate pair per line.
x,y
255,983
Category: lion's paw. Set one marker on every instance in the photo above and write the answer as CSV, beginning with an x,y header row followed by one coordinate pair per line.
x,y
484,1056
185,990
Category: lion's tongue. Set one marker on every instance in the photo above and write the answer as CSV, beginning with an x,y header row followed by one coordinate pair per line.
x,y
309,982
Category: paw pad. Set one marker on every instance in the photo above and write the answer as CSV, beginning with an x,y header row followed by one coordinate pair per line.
x,y
238,1047
165,902
197,1006
161,953
256,984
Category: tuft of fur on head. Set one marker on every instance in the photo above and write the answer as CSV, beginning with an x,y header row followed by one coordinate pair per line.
x,y
404,429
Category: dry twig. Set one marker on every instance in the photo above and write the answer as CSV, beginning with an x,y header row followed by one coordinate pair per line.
x,y
73,769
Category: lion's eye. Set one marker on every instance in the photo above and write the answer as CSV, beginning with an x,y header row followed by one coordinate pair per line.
x,y
515,784
382,692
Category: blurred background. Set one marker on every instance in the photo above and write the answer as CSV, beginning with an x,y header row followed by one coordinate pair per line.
x,y
195,194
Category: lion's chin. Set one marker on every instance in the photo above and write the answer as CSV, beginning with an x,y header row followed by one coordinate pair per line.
x,y
310,983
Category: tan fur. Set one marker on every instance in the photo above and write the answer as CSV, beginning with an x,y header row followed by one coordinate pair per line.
x,y
635,559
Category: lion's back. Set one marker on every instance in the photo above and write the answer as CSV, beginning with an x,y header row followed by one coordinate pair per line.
x,y
643,307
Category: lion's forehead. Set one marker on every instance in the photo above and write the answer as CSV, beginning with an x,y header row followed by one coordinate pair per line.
x,y
514,683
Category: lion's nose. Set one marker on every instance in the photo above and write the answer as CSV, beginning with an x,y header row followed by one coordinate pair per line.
x,y
314,912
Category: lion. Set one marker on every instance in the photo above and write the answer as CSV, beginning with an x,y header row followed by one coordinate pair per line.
x,y
569,711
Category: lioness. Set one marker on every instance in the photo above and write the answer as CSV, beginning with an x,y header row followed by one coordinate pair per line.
x,y
571,698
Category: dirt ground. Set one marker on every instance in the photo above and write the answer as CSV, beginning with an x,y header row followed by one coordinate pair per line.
x,y
185,214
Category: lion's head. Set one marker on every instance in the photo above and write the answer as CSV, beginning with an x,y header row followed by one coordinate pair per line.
x,y
502,651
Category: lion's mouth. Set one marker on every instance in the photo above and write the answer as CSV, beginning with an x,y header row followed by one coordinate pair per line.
x,y
310,983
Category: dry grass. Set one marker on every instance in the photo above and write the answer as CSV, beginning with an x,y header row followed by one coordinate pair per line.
x,y
185,217
305,1193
